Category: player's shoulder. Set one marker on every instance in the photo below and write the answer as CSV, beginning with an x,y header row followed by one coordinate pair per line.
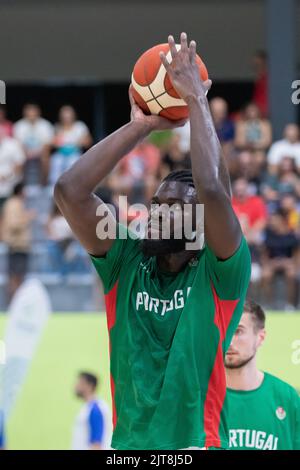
x,y
281,386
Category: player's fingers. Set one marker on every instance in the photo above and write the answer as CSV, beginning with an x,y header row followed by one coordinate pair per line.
x,y
207,85
172,46
164,60
192,48
183,41
131,99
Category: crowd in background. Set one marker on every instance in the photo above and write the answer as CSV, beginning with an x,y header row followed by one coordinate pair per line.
x,y
265,177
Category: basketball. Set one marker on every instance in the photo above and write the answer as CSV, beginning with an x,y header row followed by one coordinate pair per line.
x,y
152,88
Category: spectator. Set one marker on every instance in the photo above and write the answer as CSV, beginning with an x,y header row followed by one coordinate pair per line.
x,y
173,158
71,138
65,253
253,132
12,159
252,214
289,146
35,135
290,208
17,236
135,175
261,91
250,165
280,256
6,126
225,131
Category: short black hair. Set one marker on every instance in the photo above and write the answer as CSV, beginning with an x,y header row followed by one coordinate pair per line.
x,y
91,379
184,176
18,188
258,314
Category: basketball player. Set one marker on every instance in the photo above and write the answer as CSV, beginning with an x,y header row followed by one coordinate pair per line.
x,y
92,429
171,312
263,411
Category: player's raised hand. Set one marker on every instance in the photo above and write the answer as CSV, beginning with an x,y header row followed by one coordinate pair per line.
x,y
183,69
151,122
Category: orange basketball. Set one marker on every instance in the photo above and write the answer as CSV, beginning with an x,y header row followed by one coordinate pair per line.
x,y
152,88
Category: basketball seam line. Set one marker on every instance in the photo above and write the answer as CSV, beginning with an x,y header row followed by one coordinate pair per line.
x,y
155,98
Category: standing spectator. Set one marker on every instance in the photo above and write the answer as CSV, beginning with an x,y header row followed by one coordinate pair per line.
x,y
71,138
135,175
12,159
225,130
261,84
252,131
35,135
173,158
6,126
289,146
252,214
65,253
93,429
280,256
17,236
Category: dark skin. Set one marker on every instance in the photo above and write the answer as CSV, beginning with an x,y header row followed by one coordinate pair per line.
x,y
74,190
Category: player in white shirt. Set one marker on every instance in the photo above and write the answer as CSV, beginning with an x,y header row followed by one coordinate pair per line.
x,y
93,425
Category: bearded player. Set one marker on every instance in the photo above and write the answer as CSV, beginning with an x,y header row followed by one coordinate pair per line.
x,y
263,411
171,311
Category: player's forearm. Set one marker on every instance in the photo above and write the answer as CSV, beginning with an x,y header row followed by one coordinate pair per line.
x,y
86,174
208,166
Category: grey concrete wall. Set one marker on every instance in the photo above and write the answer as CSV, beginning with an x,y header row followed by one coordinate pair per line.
x,y
101,40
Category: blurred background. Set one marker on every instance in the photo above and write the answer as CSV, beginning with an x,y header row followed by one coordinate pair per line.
x,y
67,66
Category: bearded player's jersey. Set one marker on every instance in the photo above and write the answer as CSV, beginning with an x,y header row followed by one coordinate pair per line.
x,y
267,418
168,334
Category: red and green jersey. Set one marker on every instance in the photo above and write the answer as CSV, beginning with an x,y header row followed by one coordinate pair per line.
x,y
267,418
168,334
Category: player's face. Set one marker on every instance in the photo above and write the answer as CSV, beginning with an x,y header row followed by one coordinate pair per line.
x,y
172,205
244,344
81,388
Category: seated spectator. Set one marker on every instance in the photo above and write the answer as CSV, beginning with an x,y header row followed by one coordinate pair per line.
x,y
252,214
6,127
290,207
12,159
173,158
65,253
289,146
224,126
252,132
280,256
35,135
16,232
285,180
71,138
250,165
135,175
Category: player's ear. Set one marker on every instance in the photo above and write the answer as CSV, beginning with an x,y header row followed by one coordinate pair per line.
x,y
261,337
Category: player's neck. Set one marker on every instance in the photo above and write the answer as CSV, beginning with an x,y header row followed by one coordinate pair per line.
x,y
90,397
245,378
174,262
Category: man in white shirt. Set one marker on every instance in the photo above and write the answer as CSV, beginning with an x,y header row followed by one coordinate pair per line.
x,y
93,425
289,146
35,134
12,158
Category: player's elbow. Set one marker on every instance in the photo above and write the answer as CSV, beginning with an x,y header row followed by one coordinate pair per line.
x,y
63,189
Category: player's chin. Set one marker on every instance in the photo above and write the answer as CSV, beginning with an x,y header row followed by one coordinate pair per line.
x,y
231,361
161,247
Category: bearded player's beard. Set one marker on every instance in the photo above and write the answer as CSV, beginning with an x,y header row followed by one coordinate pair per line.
x,y
238,364
162,247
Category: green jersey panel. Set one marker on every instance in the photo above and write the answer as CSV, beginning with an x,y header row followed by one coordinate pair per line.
x,y
168,335
267,418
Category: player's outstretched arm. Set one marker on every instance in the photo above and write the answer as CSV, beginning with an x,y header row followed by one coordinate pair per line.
x,y
74,189
222,229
